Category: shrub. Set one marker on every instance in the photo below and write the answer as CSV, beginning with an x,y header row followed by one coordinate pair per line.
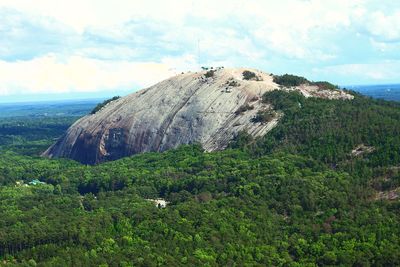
x,y
325,85
232,83
249,75
254,98
104,103
288,80
243,108
282,100
209,74
263,116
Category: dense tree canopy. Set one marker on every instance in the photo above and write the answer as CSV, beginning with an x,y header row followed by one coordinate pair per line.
x,y
297,197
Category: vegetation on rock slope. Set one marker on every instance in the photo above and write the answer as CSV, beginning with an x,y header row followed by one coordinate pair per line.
x,y
289,80
103,104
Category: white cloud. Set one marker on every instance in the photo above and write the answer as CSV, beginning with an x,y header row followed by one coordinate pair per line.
x,y
387,71
385,27
301,29
80,14
92,45
51,74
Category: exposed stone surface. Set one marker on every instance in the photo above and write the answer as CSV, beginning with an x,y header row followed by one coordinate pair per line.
x,y
184,109
314,91
388,195
362,149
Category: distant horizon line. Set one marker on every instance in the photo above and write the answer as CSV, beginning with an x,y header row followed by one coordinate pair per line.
x,y
372,84
26,102
61,97
84,96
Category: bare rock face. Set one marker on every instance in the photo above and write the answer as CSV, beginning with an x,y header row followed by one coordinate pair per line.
x,y
188,108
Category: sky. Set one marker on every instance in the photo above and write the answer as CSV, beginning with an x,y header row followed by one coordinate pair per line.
x,y
60,49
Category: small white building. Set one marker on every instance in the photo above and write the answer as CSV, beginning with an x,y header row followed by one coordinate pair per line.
x,y
159,202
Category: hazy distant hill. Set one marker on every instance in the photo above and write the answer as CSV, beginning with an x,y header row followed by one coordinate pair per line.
x,y
48,108
387,91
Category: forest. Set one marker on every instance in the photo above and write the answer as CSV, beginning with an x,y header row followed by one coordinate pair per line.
x,y
321,189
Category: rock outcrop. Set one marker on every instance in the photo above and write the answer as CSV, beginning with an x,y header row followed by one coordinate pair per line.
x,y
202,107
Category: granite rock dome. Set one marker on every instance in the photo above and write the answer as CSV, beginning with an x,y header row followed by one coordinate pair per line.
x,y
203,107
